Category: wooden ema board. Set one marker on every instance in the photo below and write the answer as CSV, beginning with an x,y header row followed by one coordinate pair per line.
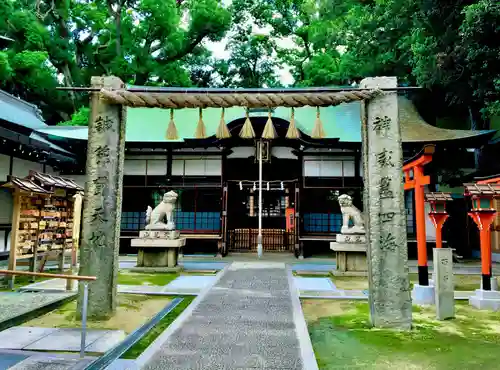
x,y
41,225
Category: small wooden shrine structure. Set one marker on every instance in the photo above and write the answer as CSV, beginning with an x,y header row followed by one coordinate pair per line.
x,y
46,219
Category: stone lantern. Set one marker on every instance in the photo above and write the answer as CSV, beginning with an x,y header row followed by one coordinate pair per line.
x,y
438,214
483,213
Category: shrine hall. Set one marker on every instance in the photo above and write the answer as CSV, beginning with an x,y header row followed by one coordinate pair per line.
x,y
217,178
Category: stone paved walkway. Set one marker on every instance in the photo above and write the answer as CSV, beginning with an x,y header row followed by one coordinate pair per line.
x,y
14,304
248,320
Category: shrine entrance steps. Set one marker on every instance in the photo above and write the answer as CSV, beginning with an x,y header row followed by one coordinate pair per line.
x,y
251,318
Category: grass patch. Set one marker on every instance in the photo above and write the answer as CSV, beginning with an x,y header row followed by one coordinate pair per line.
x,y
350,282
136,350
342,338
462,282
136,278
19,282
132,311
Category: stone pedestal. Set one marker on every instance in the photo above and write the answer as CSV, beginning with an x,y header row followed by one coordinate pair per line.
x,y
158,251
494,283
351,255
423,294
485,300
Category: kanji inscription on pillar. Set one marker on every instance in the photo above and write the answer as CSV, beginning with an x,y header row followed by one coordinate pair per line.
x,y
102,208
390,301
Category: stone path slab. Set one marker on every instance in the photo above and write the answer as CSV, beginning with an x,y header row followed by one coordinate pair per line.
x,y
202,265
314,267
190,282
15,304
7,360
186,284
52,339
312,283
28,360
53,285
245,321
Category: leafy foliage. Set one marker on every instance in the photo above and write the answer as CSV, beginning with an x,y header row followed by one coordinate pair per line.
x,y
449,46
145,42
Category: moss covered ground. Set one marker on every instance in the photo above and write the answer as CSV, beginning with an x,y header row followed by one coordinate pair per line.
x,y
342,338
132,311
136,350
462,282
132,278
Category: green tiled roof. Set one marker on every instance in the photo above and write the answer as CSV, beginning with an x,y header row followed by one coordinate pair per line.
x,y
19,112
340,122
150,124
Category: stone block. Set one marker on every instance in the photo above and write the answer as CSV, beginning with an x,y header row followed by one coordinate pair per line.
x,y
158,243
21,336
345,247
158,253
494,283
155,234
485,300
423,295
347,239
351,258
443,283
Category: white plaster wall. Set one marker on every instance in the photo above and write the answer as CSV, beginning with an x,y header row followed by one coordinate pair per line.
x,y
4,167
242,152
21,167
327,166
204,166
157,167
283,152
134,167
6,204
79,179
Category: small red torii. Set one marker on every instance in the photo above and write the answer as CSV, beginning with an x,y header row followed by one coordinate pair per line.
x,y
413,170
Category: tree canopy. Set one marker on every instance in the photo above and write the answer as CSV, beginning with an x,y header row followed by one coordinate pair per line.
x,y
451,47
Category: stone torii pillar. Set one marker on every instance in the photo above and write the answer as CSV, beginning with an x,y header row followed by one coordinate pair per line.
x,y
103,200
389,286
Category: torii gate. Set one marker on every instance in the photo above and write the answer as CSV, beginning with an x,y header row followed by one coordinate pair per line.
x,y
415,179
390,300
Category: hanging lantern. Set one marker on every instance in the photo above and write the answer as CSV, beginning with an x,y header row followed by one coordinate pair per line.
x,y
269,130
292,132
247,131
201,131
222,131
171,129
318,131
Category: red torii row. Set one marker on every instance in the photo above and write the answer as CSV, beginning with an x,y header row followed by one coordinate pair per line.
x,y
482,212
415,179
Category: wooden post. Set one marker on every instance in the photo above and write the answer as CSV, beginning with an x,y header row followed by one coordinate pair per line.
x,y
14,236
103,197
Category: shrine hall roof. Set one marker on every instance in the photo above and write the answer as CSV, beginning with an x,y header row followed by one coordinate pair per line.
x,y
340,122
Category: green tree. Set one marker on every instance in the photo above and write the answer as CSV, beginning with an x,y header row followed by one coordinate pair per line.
x,y
144,42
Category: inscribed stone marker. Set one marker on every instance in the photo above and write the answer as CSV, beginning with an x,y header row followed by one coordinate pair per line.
x,y
102,207
443,273
390,300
